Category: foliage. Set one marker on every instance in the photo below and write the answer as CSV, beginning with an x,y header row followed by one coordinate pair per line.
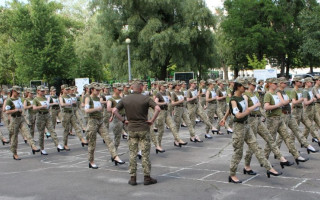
x,y
255,63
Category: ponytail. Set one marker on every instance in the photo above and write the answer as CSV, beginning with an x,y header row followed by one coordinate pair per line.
x,y
235,87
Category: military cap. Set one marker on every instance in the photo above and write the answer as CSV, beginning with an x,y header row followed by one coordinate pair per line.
x,y
260,80
46,88
282,80
210,81
96,86
52,88
145,83
316,78
268,80
65,86
202,81
41,88
297,79
273,80
308,79
31,90
16,88
192,81
242,81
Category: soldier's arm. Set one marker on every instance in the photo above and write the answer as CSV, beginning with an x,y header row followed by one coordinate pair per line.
x,y
87,108
284,102
109,104
25,103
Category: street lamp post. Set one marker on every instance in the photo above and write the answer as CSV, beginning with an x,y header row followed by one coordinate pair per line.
x,y
128,41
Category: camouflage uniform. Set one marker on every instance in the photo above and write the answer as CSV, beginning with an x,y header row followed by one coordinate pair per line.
x,y
96,125
258,127
31,116
116,125
44,120
221,106
275,124
180,113
17,124
54,109
194,108
211,108
243,133
139,139
165,118
309,114
202,91
290,121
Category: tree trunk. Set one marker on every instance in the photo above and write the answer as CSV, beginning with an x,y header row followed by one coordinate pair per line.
x,y
225,71
282,66
311,66
163,69
236,72
287,68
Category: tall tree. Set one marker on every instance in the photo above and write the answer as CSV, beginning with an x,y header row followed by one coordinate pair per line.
x,y
163,33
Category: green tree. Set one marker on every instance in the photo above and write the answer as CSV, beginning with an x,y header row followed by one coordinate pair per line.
x,y
310,25
39,37
163,33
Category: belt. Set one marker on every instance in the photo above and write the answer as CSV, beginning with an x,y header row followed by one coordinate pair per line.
x,y
317,102
298,107
212,102
192,103
67,111
286,112
179,105
43,112
203,95
17,114
252,115
56,108
244,122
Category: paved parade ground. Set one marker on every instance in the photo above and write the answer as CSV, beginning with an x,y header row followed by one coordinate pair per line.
x,y
195,171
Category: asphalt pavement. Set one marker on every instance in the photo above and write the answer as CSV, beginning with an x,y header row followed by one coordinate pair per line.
x,y
194,171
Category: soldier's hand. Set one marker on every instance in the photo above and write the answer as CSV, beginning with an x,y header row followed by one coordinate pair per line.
x,y
149,122
111,118
258,104
314,99
222,122
205,107
99,108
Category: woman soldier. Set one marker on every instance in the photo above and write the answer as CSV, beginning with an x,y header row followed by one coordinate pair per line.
x,y
260,90
14,107
28,106
69,119
275,122
194,108
164,118
180,112
54,106
96,125
243,132
211,99
44,120
116,125
289,119
309,111
258,127
221,105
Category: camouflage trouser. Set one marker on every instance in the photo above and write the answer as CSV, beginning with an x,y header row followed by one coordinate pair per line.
x,y
295,131
170,109
139,139
69,120
1,107
79,117
85,117
211,110
202,101
230,118
106,117
165,118
276,124
258,127
6,121
152,133
221,109
1,136
45,121
116,126
196,109
54,114
95,126
243,133
179,114
31,122
19,124
308,117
